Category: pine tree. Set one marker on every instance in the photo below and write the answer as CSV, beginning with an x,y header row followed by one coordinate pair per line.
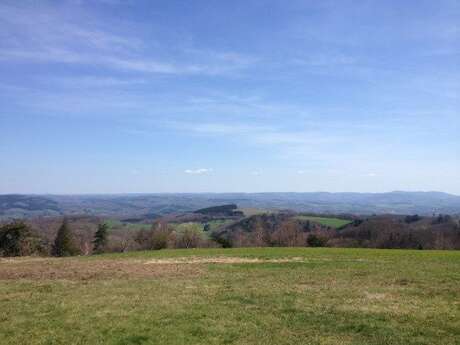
x,y
100,239
64,244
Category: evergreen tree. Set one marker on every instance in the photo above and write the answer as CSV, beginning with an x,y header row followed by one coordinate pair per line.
x,y
64,244
100,238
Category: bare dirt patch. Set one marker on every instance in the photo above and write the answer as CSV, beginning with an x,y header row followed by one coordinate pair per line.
x,y
221,260
76,269
39,268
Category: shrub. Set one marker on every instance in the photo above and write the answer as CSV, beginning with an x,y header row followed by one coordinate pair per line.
x,y
189,235
221,240
412,219
316,241
17,239
143,239
160,236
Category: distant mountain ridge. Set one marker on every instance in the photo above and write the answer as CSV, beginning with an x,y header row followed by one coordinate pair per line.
x,y
149,205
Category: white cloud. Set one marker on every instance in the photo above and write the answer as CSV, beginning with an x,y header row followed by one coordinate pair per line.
x,y
200,171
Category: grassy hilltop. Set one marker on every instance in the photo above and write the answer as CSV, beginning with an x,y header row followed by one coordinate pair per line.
x,y
233,296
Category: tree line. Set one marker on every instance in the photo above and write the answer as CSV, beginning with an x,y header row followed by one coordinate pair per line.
x,y
18,239
268,230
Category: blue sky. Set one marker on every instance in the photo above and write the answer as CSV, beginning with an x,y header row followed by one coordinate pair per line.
x,y
229,96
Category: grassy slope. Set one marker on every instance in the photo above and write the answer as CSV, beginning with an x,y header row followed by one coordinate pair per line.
x,y
332,222
333,296
213,224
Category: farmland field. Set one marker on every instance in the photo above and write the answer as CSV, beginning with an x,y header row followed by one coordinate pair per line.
x,y
252,211
233,296
332,222
112,223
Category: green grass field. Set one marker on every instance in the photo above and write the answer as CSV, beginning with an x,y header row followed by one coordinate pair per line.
x,y
253,211
332,222
234,296
213,224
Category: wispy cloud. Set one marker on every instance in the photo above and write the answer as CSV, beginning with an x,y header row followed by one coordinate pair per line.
x,y
255,133
121,63
325,60
44,35
200,171
94,81
370,174
47,27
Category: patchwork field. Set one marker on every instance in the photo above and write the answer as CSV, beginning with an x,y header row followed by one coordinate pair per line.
x,y
234,296
332,222
251,211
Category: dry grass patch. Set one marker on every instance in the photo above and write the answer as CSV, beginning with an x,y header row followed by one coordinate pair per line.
x,y
77,269
221,260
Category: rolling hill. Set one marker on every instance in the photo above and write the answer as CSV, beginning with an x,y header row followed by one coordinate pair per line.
x,y
153,205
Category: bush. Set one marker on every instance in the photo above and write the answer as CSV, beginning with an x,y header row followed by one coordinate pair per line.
x,y
17,239
143,239
412,219
223,241
160,238
316,241
189,235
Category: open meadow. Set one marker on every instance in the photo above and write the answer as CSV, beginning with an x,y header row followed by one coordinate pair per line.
x,y
233,296
327,221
